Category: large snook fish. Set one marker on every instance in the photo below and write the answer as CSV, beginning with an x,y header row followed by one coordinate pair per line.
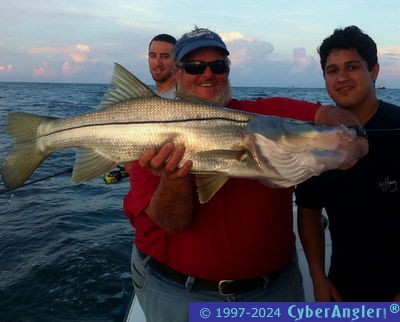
x,y
221,142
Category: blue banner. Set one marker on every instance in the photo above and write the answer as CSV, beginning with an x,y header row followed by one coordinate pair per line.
x,y
293,311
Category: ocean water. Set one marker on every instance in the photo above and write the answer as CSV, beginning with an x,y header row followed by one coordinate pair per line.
x,y
64,247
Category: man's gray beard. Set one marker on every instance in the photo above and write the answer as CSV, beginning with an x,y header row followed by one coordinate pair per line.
x,y
224,96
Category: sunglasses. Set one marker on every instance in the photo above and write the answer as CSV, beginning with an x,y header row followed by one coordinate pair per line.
x,y
198,67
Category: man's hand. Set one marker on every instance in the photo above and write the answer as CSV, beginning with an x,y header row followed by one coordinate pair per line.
x,y
171,206
333,115
165,162
325,291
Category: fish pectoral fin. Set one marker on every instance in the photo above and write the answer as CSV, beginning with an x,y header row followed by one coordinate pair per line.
x,y
208,185
90,164
290,167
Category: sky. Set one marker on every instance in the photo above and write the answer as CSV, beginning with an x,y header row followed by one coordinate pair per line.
x,y
272,43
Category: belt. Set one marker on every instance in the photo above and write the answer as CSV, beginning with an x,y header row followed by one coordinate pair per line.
x,y
224,287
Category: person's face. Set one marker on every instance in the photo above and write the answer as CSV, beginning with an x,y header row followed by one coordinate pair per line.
x,y
347,79
160,60
208,85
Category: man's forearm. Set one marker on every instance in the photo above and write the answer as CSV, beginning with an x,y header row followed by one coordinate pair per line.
x,y
171,206
313,240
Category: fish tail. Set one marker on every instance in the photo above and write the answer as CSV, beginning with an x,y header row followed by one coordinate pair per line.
x,y
26,155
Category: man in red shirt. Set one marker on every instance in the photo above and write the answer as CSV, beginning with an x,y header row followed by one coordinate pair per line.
x,y
240,245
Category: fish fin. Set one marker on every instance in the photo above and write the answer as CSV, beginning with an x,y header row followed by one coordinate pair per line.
x,y
26,156
290,168
90,164
124,86
20,164
208,185
23,126
295,164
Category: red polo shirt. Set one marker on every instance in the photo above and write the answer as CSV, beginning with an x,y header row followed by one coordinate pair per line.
x,y
244,231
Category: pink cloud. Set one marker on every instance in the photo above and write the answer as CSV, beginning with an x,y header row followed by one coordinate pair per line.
x,y
389,60
79,53
302,62
75,57
43,70
67,68
44,50
6,69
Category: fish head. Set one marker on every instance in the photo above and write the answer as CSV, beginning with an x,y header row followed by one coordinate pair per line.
x,y
291,151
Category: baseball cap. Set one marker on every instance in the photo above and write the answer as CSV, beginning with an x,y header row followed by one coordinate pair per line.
x,y
198,38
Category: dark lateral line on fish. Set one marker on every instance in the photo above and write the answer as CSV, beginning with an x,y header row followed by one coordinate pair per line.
x,y
149,122
184,120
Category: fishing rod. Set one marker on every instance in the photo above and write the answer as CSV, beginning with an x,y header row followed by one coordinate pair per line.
x,y
69,170
379,133
382,130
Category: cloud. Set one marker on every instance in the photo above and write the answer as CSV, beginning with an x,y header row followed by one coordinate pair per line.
x,y
69,59
79,53
67,68
254,61
246,50
301,61
44,50
389,61
6,69
43,71
232,36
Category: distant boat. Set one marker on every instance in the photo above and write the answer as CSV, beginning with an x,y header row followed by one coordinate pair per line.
x,y
381,86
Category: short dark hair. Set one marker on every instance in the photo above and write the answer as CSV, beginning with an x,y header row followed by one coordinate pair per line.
x,y
164,37
350,37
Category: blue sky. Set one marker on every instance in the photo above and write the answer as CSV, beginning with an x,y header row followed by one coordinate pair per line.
x,y
272,43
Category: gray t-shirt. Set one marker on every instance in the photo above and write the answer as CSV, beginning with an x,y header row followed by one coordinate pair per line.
x,y
170,94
